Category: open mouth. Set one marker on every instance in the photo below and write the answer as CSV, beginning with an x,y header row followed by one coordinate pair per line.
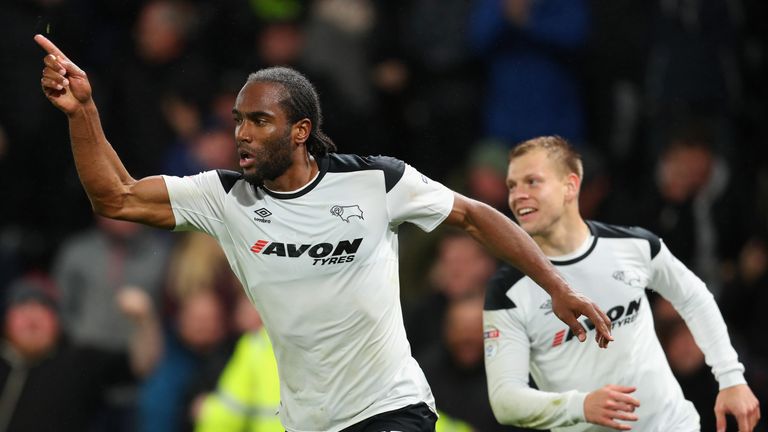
x,y
524,212
246,159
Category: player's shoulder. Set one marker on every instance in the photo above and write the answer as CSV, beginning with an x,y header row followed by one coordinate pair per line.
x,y
392,168
499,285
228,178
611,231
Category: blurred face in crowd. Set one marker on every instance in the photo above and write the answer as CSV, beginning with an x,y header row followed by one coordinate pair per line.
x,y
463,332
539,192
201,321
262,132
160,31
32,328
246,318
684,170
463,267
213,149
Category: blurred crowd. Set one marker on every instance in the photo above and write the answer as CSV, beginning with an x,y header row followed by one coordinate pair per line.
x,y
109,326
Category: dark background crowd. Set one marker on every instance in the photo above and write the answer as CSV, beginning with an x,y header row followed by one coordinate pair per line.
x,y
667,101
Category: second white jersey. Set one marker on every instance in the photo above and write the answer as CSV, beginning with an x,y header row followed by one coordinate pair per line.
x,y
321,266
522,335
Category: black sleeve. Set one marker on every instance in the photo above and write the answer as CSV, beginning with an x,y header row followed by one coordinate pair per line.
x,y
392,168
498,286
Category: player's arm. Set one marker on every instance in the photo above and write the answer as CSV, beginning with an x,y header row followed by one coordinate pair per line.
x,y
696,305
514,402
509,242
112,191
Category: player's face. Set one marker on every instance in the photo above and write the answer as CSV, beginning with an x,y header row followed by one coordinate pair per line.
x,y
262,133
537,192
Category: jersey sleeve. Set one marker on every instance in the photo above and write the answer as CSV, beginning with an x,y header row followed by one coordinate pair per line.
x,y
514,402
696,305
417,199
197,201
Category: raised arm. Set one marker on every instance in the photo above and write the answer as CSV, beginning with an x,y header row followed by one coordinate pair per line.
x,y
112,191
509,242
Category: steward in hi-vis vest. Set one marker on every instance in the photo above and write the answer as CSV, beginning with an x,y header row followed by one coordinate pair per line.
x,y
247,397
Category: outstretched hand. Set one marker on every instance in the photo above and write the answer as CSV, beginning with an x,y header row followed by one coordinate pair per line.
x,y
570,305
740,402
64,84
610,403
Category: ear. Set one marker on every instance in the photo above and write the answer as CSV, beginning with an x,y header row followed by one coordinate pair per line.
x,y
300,131
572,185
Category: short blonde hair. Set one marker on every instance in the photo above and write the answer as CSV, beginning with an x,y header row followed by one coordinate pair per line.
x,y
558,150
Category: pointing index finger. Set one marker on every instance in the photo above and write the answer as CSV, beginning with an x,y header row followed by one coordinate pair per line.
x,y
49,46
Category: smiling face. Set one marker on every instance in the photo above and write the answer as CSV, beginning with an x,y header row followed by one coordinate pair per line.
x,y
540,191
262,132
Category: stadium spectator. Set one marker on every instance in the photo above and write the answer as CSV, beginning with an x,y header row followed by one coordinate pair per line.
x,y
453,365
693,204
530,50
50,383
195,337
90,270
460,269
247,394
148,82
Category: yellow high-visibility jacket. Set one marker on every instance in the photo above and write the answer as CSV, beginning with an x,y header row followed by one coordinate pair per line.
x,y
446,423
248,392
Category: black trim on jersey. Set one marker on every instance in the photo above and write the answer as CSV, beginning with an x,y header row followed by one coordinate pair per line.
x,y
322,165
392,168
582,256
228,178
600,229
496,291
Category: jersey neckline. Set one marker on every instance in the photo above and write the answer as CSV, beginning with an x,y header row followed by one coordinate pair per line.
x,y
322,166
586,253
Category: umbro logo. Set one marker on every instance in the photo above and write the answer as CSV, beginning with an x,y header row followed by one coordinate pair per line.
x,y
263,214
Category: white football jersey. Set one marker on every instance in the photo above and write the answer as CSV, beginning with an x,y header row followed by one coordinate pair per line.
x,y
321,266
613,268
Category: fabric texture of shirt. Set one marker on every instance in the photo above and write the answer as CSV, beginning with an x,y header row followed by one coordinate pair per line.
x,y
321,266
522,335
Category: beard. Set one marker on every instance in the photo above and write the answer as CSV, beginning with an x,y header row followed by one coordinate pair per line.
x,y
271,160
